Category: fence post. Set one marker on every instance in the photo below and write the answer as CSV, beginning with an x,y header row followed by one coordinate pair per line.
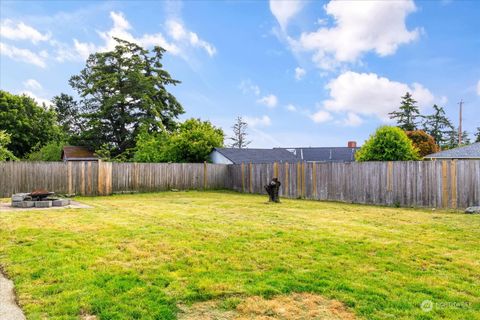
x,y
304,181
444,184
250,184
243,176
389,176
314,179
69,177
205,178
285,187
453,182
299,179
100,177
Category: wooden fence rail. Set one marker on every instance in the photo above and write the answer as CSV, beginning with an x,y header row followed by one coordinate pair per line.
x,y
440,184
103,178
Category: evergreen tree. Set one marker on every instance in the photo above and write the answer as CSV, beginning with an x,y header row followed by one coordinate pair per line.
x,y
407,115
477,135
437,125
68,114
239,134
123,91
452,139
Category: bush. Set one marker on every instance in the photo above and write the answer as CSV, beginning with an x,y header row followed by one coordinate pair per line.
x,y
387,144
5,154
423,142
52,151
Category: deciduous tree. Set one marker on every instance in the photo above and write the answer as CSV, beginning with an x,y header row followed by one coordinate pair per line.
x,y
5,154
239,138
193,141
28,124
423,142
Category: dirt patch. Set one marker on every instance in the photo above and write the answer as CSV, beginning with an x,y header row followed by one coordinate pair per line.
x,y
297,306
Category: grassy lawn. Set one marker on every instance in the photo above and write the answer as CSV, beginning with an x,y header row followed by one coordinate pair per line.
x,y
140,256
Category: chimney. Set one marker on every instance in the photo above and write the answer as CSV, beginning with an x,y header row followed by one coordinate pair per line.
x,y
352,144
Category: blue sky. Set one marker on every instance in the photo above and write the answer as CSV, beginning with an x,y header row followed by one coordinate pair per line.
x,y
313,73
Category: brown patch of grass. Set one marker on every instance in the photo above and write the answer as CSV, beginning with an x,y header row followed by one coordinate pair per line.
x,y
297,306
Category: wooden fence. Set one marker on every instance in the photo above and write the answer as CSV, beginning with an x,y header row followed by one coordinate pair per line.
x,y
103,178
439,184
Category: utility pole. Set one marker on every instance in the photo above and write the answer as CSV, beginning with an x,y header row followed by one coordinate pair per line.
x,y
460,124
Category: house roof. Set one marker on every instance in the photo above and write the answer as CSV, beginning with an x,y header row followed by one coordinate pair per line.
x,y
77,153
471,151
330,154
238,156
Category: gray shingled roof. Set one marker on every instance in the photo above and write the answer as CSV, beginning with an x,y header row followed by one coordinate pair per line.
x,y
328,154
467,152
238,156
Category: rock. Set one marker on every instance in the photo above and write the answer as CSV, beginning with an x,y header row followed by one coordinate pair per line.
x,y
20,197
60,202
23,204
43,204
473,210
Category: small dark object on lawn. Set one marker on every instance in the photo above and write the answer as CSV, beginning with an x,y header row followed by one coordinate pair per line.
x,y
272,189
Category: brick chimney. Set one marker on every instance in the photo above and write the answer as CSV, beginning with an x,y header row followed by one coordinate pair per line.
x,y
352,144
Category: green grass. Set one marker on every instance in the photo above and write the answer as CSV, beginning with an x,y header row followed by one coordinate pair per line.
x,y
139,256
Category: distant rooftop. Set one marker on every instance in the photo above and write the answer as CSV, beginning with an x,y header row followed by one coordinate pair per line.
x,y
77,153
325,154
237,156
471,151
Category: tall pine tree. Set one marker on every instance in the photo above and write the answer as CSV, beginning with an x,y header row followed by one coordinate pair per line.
x,y
437,125
408,113
123,91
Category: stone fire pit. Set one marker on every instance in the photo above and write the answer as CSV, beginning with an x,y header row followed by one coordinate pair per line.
x,y
38,198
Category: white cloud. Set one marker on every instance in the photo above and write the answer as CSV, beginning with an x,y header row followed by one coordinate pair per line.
x,y
285,10
299,73
352,120
264,121
478,87
21,31
247,86
178,32
182,38
321,116
120,30
32,84
360,27
268,100
291,107
40,100
369,94
24,55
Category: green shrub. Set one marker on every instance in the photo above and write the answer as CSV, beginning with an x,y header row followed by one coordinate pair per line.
x,y
387,144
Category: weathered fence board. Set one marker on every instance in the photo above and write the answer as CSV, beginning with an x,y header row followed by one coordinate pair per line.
x,y
103,178
440,184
